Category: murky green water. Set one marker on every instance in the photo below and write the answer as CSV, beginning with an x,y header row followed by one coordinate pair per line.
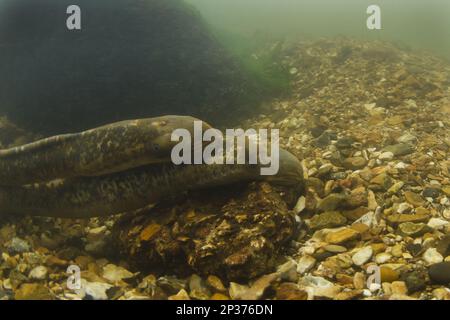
x,y
417,23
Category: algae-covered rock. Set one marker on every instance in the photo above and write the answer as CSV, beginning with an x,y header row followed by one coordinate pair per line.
x,y
238,234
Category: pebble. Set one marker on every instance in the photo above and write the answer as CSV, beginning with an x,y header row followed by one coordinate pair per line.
x,y
359,280
411,229
301,205
38,273
431,192
290,291
399,287
215,283
181,295
440,273
329,219
396,187
443,245
219,296
404,207
383,181
357,198
293,71
335,248
414,248
400,166
362,256
95,290
237,291
198,289
342,236
432,256
406,138
382,258
259,287
354,163
53,261
115,273
415,281
446,214
414,199
401,218
441,293
446,190
169,284
331,202
33,291
305,264
18,245
437,224
386,156
288,271
399,149
321,287
388,274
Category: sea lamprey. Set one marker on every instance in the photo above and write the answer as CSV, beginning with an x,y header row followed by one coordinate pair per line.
x,y
112,169
110,148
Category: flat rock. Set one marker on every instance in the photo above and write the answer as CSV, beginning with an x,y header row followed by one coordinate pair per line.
x,y
237,291
383,180
414,198
399,149
115,273
331,202
33,291
401,218
305,263
329,219
354,163
342,236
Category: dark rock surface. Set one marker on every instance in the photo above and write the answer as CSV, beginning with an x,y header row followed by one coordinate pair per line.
x,y
131,59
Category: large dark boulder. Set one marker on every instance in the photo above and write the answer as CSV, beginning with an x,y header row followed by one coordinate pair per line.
x,y
132,59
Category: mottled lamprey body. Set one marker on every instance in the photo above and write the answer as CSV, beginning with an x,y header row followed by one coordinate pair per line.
x,y
115,168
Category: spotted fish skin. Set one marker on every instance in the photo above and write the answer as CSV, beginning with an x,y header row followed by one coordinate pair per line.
x,y
133,189
118,192
117,168
103,150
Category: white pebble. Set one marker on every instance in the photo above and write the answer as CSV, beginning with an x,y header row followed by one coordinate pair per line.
x,y
362,256
437,224
432,256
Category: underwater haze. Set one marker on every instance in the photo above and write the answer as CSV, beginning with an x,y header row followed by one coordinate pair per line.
x,y
416,23
225,150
